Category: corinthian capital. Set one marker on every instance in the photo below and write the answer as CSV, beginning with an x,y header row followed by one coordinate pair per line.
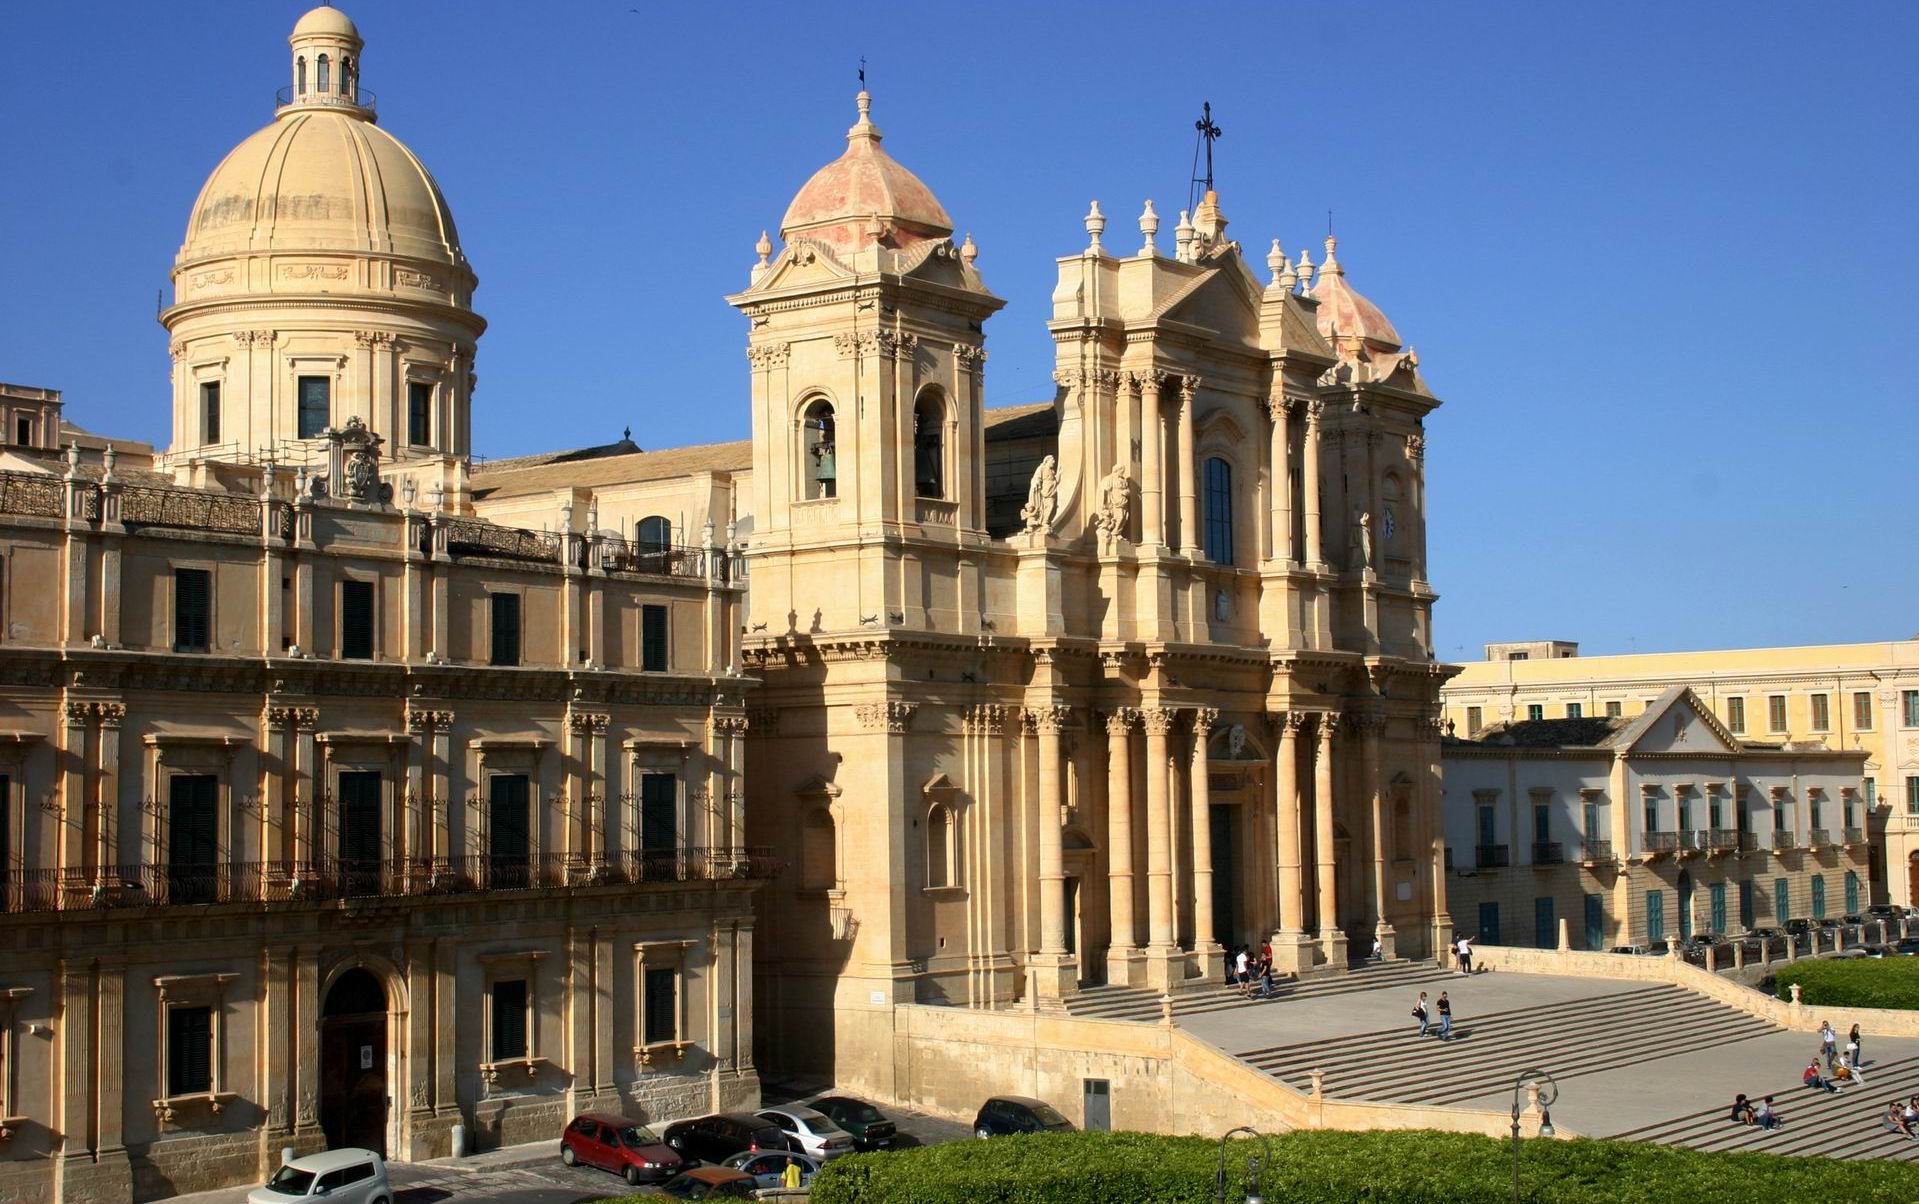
x,y
1203,720
1052,719
1159,721
1121,720
887,716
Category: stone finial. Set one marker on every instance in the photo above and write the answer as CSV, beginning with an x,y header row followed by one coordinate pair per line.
x,y
763,248
1305,270
1095,224
1332,262
107,460
1183,237
1149,226
409,492
73,459
969,250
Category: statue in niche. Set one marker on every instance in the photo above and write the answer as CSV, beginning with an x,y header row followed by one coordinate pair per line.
x,y
1115,501
1042,499
1361,540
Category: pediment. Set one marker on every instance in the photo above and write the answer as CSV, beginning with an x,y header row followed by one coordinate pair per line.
x,y
801,264
1678,722
1220,301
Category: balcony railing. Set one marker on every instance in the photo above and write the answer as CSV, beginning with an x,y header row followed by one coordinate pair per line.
x,y
1548,852
471,537
1855,836
1722,840
1692,841
1748,842
1491,856
275,882
189,509
1785,840
353,97
660,560
1656,843
1819,838
32,493
1596,852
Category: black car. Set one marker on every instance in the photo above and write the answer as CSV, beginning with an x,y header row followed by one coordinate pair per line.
x,y
870,1130
1005,1114
1798,926
719,1137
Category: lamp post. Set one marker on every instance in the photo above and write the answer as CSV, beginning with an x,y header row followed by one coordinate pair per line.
x,y
1547,1096
1255,1165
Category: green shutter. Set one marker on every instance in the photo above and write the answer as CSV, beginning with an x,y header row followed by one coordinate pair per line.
x,y
653,658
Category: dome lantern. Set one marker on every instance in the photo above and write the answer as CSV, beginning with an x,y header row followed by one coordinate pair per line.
x,y
326,64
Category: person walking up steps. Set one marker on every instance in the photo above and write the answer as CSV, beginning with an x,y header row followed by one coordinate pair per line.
x,y
1445,1017
1419,1013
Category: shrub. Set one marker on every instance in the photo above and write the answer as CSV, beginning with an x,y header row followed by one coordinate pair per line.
x,y
1859,982
1342,1168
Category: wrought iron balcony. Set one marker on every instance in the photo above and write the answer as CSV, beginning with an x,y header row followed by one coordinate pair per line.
x,y
1782,841
1491,856
651,559
1748,842
1548,852
1722,840
1657,843
1855,836
1820,838
1596,852
1691,841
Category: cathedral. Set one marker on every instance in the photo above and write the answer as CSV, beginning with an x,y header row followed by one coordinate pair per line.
x,y
339,767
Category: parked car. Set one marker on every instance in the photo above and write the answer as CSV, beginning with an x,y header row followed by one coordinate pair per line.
x,y
1907,948
625,1147
812,1131
869,1128
1884,911
1855,919
1763,933
720,1136
706,1183
1798,926
1875,951
1005,1114
768,1167
344,1176
1639,950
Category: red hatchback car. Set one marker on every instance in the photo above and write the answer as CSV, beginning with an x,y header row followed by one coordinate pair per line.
x,y
625,1147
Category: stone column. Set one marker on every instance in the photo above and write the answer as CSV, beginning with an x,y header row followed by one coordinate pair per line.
x,y
307,782
1050,722
111,714
1309,487
73,793
1119,841
1188,470
1280,495
1205,924
1152,473
1159,848
1287,811
1332,939
1372,725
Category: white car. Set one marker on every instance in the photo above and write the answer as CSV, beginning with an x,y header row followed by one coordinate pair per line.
x,y
816,1132
768,1167
346,1176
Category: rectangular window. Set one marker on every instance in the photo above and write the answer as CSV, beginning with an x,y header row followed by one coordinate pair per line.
x,y
1911,705
1487,824
1652,814
1535,711
1821,713
1575,710
6,833
1818,810
1219,511
189,1051
662,1004
1655,915
653,657
210,411
1716,813
1818,896
1614,709
192,610
509,831
1736,714
193,837
1542,822
506,628
1779,816
1545,923
1716,907
316,405
1782,899
419,413
23,432
1475,722
359,828
659,805
509,1020
1872,793
1747,916
1685,813
1776,713
1912,796
356,620
1489,922
1862,711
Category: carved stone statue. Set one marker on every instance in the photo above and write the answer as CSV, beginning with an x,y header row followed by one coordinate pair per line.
x,y
1115,500
1042,499
1362,539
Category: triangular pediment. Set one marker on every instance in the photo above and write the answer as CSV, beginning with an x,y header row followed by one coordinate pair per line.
x,y
1224,300
1677,722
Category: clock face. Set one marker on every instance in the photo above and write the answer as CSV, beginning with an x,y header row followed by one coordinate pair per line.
x,y
1392,522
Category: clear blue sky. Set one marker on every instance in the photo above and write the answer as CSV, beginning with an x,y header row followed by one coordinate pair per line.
x,y
1657,258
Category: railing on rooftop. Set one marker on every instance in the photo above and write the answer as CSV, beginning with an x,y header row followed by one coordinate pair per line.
x,y
661,560
472,537
189,509
32,494
360,98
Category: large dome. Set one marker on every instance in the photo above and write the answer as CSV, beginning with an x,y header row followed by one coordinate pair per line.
x,y
320,179
865,196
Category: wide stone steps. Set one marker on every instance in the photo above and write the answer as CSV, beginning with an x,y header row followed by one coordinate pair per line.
x,y
1139,1004
1845,1125
1572,1037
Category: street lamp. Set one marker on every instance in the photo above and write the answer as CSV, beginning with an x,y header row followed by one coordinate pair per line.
x,y
1547,1096
1254,1166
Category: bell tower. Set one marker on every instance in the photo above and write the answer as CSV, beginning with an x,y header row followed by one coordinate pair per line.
x,y
866,352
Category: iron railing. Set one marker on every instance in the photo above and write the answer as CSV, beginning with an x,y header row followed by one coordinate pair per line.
x,y
1820,838
1596,851
1748,842
660,560
162,885
1722,840
1785,840
1855,836
1491,856
1659,842
471,537
1548,852
190,509
355,97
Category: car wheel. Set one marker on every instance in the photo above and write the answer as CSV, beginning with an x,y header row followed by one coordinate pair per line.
x,y
568,1157
982,1132
633,1175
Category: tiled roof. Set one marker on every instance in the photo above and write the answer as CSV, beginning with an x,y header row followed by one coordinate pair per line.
x,y
1020,422
1596,732
535,474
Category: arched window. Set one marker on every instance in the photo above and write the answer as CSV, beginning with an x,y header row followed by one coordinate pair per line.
x,y
942,847
929,446
300,75
323,77
819,468
1219,511
819,859
655,534
346,77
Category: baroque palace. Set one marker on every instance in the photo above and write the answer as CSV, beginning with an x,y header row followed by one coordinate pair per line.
x,y
355,791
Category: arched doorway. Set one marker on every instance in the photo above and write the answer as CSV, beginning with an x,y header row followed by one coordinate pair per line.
x,y
353,1087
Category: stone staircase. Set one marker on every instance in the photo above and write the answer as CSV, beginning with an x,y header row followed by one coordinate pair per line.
x,y
1575,1037
1845,1125
1211,995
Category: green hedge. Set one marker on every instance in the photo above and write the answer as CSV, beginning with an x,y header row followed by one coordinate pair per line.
x,y
1858,982
1376,1168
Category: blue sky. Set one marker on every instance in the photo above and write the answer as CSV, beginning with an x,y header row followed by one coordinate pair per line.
x,y
1655,257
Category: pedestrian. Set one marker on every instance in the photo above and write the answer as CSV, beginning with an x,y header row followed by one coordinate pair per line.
x,y
1852,1045
1812,1078
1828,1043
790,1177
1896,1120
1378,953
1768,1119
1419,1013
1742,1113
1445,1017
1239,969
1465,951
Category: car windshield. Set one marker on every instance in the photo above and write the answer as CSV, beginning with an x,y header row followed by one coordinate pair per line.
x,y
821,1126
291,1180
635,1136
1047,1116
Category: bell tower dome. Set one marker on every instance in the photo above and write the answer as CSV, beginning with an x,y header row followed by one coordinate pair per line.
x,y
321,280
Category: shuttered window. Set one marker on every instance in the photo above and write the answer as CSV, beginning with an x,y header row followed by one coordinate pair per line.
x,y
193,837
509,1020
356,620
506,629
662,1004
653,638
192,610
509,847
658,821
189,1051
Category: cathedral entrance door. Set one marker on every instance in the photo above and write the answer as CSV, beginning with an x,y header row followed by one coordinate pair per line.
x,y
353,1090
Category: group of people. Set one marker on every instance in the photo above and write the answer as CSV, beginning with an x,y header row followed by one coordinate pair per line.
x,y
1744,1113
1244,968
1840,1071
1444,1006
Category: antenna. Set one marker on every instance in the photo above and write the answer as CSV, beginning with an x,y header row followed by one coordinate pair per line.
x,y
1209,133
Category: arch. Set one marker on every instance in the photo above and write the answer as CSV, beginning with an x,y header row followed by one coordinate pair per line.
x,y
819,851
354,992
300,76
1074,838
357,1031
942,847
322,74
1216,478
929,444
654,533
346,76
392,981
819,462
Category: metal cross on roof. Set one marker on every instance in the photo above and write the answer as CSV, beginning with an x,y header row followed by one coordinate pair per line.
x,y
1209,134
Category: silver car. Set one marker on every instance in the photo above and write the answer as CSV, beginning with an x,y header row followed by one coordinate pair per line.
x,y
768,1167
347,1176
